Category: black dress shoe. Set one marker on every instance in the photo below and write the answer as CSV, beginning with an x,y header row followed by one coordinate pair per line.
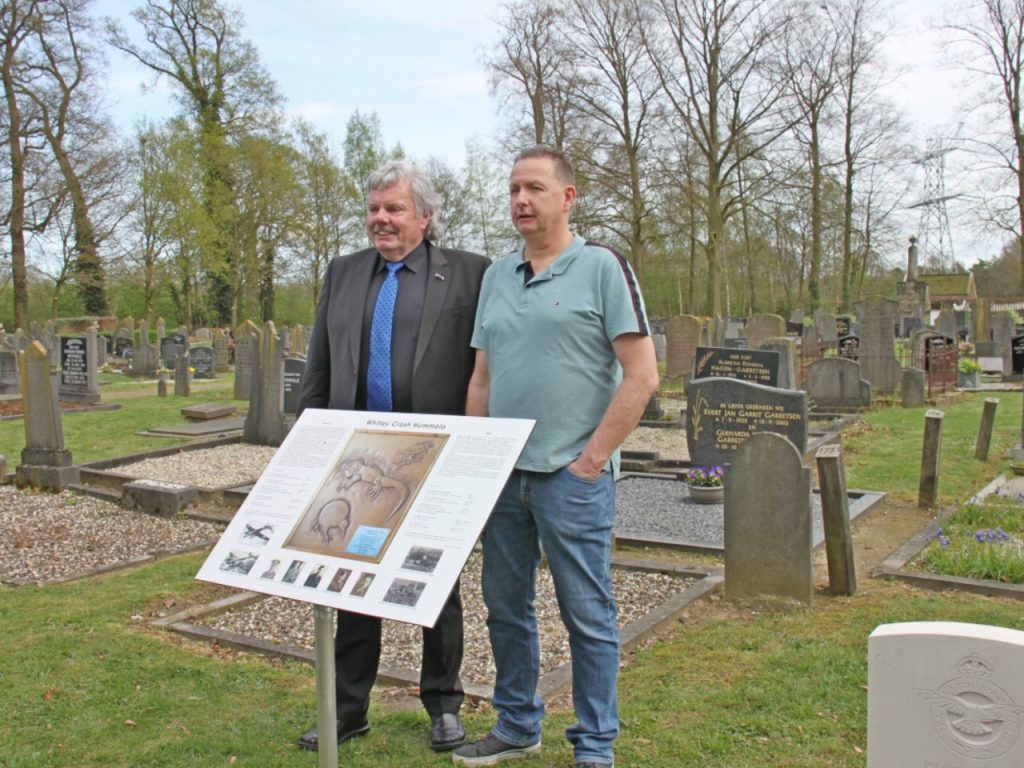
x,y
446,732
348,730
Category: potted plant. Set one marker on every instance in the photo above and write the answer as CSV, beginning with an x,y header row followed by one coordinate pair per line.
x,y
706,484
967,372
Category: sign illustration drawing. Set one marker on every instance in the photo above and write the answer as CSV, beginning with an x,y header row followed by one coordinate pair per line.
x,y
366,496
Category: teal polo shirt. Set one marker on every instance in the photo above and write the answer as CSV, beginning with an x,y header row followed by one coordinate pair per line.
x,y
548,344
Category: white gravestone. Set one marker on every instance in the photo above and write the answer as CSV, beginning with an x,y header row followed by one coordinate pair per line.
x,y
945,695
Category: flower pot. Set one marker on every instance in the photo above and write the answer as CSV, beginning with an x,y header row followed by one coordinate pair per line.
x,y
702,494
967,380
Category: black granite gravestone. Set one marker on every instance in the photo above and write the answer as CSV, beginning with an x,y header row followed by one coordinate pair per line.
x,y
758,366
722,413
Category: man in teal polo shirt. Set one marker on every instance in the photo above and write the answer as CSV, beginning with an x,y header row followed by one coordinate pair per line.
x,y
561,337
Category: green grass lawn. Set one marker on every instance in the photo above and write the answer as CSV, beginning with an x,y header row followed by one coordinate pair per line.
x,y
86,682
93,435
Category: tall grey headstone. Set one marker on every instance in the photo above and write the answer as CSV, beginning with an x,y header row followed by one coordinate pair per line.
x,y
221,353
1003,331
825,323
877,317
246,338
182,376
10,372
45,462
835,382
145,362
762,327
944,694
768,524
786,349
264,423
683,335
945,323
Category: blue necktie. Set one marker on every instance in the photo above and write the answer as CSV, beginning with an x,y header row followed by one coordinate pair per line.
x,y
378,372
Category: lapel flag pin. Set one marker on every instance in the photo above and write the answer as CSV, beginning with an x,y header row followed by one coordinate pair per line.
x,y
439,276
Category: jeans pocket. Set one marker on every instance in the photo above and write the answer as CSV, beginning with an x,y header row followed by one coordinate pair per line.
x,y
580,478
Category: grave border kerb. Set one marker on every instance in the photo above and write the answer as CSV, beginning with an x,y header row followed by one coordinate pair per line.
x,y
894,566
555,683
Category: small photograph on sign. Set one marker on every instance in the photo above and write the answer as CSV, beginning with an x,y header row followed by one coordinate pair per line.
x,y
293,571
271,573
366,496
423,559
362,585
338,582
257,535
313,580
239,562
404,592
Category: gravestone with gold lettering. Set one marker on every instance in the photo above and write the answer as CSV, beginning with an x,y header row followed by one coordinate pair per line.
x,y
760,367
722,413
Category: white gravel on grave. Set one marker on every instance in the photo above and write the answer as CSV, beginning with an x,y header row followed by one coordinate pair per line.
x,y
46,536
289,622
222,466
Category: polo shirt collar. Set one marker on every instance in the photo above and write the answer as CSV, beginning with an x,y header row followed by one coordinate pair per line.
x,y
561,262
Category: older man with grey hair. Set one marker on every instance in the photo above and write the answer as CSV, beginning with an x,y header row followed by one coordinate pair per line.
x,y
392,332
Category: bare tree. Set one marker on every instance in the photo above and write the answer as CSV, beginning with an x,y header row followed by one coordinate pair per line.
x,y
987,38
810,52
532,70
712,58
616,91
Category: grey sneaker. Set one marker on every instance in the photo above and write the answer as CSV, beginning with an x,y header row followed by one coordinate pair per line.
x,y
491,750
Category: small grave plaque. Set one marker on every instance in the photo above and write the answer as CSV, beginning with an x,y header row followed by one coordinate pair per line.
x,y
202,362
294,367
758,366
74,362
1018,355
735,343
722,413
849,346
844,324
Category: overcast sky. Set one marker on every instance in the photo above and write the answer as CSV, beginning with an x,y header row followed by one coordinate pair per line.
x,y
416,64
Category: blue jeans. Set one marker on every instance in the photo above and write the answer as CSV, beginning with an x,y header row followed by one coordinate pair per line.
x,y
571,519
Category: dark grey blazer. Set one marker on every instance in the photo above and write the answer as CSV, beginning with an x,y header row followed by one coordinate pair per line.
x,y
444,359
